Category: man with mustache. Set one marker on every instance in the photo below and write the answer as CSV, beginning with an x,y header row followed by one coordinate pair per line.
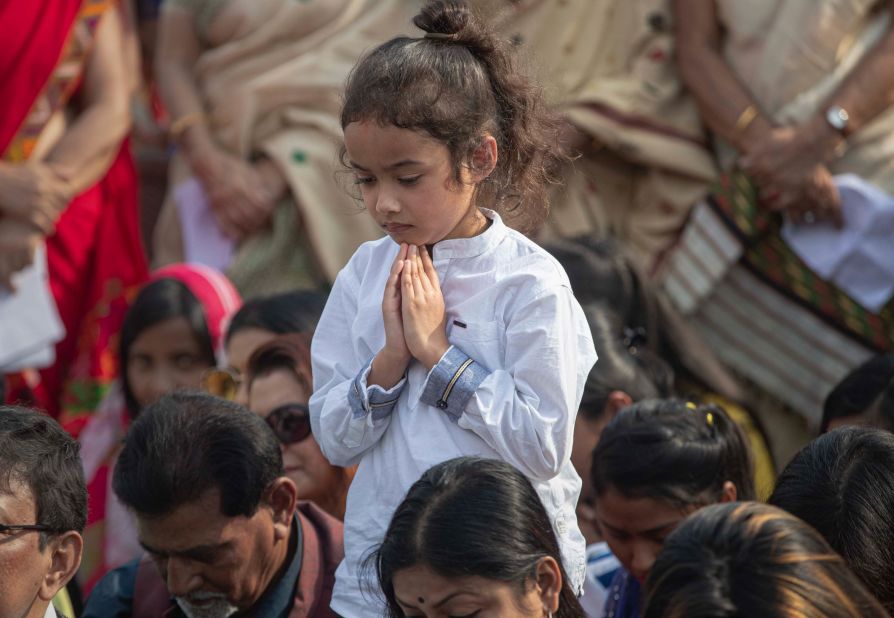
x,y
219,520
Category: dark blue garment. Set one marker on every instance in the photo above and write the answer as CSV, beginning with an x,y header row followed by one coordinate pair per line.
x,y
112,597
624,597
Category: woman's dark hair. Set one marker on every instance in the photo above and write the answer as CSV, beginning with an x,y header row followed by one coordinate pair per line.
x,y
675,451
842,484
457,86
752,559
158,301
289,312
471,517
290,352
599,272
187,444
625,364
37,453
867,389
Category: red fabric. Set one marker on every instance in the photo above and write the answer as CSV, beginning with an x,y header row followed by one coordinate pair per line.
x,y
33,35
96,265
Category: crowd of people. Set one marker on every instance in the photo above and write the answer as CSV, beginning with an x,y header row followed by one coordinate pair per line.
x,y
455,308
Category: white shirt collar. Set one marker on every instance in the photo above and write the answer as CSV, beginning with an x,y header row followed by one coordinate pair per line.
x,y
51,612
476,245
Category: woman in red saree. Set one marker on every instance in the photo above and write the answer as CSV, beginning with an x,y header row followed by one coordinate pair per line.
x,y
67,179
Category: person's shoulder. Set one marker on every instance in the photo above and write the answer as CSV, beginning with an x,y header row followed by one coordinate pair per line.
x,y
532,265
113,594
327,528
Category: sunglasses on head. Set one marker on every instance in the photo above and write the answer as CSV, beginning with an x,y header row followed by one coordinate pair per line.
x,y
290,422
221,383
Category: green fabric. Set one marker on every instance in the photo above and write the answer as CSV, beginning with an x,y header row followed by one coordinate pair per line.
x,y
766,254
276,260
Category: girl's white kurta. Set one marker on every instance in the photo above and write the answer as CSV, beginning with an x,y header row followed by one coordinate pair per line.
x,y
511,311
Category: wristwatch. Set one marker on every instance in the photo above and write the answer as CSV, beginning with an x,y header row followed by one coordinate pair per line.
x,y
838,119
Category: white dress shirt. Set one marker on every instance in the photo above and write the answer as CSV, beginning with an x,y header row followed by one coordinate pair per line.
x,y
508,388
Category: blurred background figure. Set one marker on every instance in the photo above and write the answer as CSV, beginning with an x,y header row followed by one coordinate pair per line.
x,y
842,484
253,94
751,559
646,351
172,335
643,160
697,147
784,133
259,321
67,180
279,383
864,397
472,536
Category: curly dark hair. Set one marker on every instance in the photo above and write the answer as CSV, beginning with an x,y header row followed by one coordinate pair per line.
x,y
458,87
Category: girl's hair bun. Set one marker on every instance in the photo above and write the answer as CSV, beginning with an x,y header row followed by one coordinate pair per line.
x,y
448,17
454,21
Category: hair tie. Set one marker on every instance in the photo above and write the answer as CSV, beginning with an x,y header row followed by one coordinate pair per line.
x,y
634,338
691,405
441,35
709,418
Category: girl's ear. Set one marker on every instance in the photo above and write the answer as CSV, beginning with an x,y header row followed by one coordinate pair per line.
x,y
730,493
484,158
549,583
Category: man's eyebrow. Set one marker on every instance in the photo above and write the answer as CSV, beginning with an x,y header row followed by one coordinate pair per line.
x,y
199,551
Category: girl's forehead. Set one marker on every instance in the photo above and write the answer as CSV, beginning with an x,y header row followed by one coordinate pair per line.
x,y
640,513
370,143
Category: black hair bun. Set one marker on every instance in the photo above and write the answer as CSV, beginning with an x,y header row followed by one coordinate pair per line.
x,y
448,17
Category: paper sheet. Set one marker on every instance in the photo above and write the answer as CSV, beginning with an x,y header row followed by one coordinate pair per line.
x,y
203,241
859,258
29,321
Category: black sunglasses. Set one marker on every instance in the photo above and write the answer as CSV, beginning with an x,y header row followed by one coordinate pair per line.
x,y
9,528
290,422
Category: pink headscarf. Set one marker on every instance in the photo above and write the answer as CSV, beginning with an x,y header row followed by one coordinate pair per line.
x,y
213,290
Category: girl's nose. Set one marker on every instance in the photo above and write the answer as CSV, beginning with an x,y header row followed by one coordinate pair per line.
x,y
386,203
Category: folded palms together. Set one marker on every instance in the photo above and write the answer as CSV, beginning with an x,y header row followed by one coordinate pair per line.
x,y
413,309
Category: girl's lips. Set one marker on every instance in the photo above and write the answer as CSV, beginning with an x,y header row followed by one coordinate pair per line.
x,y
393,228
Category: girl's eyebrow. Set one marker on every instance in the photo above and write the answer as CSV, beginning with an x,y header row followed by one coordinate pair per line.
x,y
388,168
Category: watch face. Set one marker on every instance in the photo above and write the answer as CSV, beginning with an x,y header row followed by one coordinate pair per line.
x,y
837,117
